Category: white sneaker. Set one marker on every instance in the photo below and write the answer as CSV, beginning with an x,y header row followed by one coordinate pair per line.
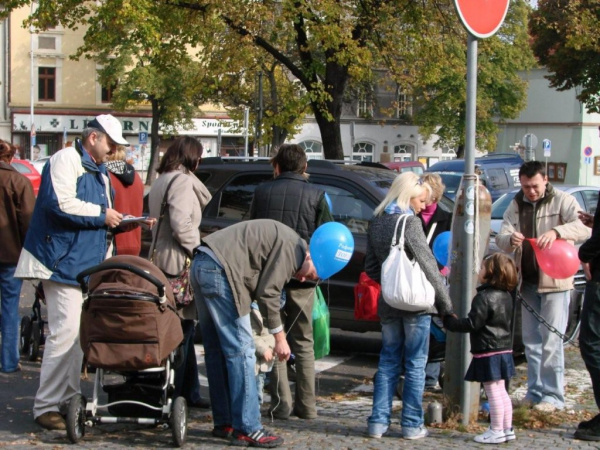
x,y
421,433
545,407
509,433
491,437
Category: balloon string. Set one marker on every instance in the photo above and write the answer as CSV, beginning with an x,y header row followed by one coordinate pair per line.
x,y
477,218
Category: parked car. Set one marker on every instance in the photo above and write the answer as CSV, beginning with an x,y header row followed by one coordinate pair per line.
x,y
355,189
40,163
26,168
406,166
499,171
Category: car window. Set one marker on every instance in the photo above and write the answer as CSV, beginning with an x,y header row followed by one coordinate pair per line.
x,y
496,179
22,168
501,204
591,200
348,208
236,197
579,197
452,182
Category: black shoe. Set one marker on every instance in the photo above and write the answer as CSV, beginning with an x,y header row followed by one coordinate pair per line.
x,y
202,403
588,434
223,431
586,424
261,438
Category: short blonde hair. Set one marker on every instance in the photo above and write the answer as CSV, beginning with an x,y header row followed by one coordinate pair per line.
x,y
119,154
404,188
434,181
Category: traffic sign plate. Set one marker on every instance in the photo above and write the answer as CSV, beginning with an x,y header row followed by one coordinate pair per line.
x,y
587,151
482,20
143,137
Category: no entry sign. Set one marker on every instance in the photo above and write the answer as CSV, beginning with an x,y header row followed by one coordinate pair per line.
x,y
482,18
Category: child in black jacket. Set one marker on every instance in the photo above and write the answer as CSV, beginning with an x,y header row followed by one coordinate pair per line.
x,y
490,324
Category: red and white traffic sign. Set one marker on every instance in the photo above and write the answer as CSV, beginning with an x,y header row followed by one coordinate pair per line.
x,y
482,18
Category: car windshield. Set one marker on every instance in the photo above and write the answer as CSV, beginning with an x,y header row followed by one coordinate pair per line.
x,y
380,178
452,182
501,204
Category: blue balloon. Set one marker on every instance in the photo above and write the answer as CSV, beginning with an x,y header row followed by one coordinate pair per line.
x,y
441,248
331,247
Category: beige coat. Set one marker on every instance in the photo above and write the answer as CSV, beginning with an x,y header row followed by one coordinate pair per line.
x,y
559,214
179,231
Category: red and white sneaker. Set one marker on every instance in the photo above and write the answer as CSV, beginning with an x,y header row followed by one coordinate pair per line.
x,y
261,438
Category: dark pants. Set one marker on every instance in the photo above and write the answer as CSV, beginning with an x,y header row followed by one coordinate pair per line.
x,y
186,375
589,335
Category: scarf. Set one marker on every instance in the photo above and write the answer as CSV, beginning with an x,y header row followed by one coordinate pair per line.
x,y
428,213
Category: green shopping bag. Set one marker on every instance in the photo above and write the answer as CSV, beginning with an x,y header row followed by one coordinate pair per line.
x,y
320,317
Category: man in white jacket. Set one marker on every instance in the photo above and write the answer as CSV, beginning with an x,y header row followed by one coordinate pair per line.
x,y
541,212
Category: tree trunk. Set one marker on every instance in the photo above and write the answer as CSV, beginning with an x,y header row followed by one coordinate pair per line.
x,y
155,141
331,136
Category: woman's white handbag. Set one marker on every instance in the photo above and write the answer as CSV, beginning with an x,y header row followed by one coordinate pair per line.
x,y
403,283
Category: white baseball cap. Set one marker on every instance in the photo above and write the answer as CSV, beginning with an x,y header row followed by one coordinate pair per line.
x,y
111,126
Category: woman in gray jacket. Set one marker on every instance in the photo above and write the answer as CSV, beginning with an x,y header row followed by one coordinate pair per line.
x,y
405,335
178,235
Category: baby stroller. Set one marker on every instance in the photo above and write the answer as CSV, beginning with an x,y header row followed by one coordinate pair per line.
x,y
33,334
129,333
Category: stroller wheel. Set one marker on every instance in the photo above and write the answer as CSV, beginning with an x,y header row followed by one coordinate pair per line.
x,y
25,334
76,418
178,421
34,341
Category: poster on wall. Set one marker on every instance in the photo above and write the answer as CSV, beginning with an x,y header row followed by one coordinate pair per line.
x,y
139,156
39,151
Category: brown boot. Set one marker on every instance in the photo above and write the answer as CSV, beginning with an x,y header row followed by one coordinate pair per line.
x,y
51,421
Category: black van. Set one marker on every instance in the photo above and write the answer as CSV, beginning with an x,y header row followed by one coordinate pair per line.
x,y
499,172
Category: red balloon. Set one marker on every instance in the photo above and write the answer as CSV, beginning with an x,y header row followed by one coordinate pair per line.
x,y
559,261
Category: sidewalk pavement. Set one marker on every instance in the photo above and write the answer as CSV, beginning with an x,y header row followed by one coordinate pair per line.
x,y
341,423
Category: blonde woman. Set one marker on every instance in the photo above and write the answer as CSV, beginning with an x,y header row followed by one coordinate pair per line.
x,y
405,335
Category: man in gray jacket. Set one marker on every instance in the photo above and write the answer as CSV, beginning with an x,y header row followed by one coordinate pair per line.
x,y
247,261
541,212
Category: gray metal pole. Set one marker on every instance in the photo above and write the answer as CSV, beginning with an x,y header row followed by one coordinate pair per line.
x,y
461,397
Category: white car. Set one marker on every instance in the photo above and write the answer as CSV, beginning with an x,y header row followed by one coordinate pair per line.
x,y
586,196
40,163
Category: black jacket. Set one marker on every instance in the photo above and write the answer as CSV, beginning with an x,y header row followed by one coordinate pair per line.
x,y
489,321
292,200
589,252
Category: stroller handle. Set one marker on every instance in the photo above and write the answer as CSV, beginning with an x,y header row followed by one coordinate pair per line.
x,y
110,266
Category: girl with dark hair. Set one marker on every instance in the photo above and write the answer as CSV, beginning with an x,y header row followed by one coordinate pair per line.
x,y
175,239
490,324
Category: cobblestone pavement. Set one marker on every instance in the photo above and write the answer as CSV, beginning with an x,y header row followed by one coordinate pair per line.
x,y
344,404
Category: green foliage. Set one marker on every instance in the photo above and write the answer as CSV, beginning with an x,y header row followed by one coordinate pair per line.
x,y
566,41
311,53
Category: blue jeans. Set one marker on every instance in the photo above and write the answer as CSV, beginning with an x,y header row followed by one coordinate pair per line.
x,y
543,348
405,339
10,291
228,346
589,335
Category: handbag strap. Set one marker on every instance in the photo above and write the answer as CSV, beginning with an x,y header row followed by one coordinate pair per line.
x,y
400,239
163,208
431,231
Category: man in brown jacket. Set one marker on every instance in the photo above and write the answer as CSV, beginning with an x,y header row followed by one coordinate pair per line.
x,y
16,207
250,260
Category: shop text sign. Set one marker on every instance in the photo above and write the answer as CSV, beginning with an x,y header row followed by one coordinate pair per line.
x,y
51,123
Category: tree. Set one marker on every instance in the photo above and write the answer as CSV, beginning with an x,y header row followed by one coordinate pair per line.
x,y
321,48
565,40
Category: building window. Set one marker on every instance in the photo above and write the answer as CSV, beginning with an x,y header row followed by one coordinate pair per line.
x,y
313,149
107,93
404,108
46,43
364,107
403,152
47,84
363,151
